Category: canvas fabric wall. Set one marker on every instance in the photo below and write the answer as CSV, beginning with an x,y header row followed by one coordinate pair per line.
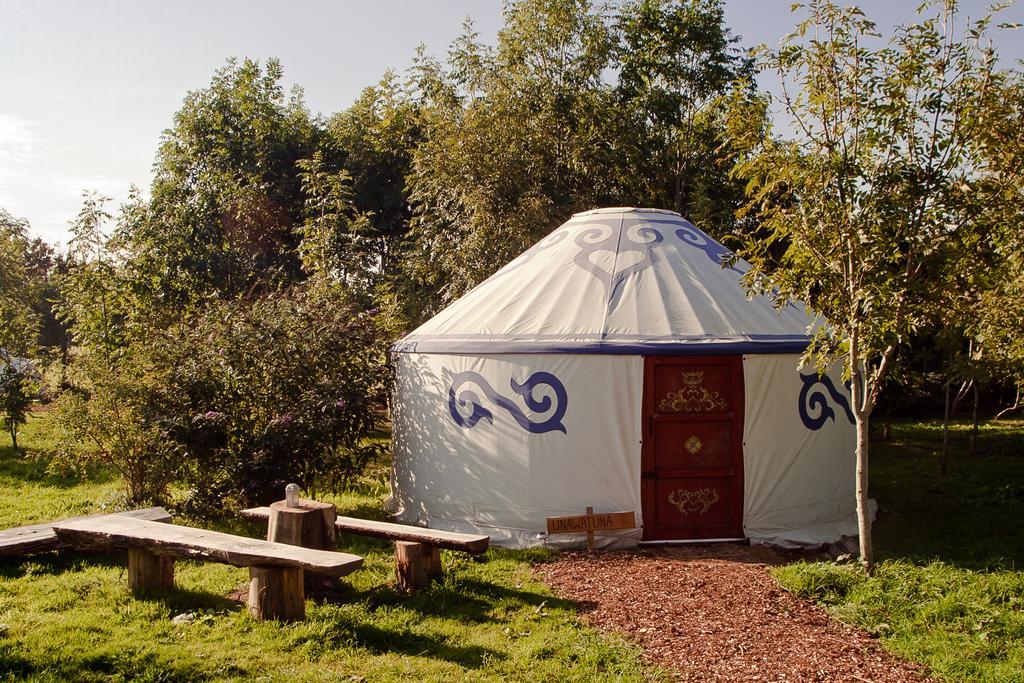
x,y
496,476
495,444
798,454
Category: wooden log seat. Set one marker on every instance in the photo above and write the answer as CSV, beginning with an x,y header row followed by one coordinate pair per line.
x,y
38,538
310,524
417,549
276,586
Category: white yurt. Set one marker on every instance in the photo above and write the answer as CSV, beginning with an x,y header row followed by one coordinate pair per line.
x,y
619,364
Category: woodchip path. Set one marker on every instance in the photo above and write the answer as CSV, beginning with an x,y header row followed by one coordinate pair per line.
x,y
715,613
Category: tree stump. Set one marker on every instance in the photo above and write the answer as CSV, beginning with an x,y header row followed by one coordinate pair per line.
x,y
277,593
148,572
417,564
311,525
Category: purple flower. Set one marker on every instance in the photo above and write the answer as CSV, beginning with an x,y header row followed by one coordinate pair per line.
x,y
340,404
285,419
373,311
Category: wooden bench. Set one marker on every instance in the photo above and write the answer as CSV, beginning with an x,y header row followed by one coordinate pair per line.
x,y
417,549
37,538
276,586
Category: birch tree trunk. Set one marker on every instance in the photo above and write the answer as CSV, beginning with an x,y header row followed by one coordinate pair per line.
x,y
861,419
867,552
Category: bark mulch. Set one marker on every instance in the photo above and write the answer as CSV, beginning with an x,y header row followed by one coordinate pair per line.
x,y
714,612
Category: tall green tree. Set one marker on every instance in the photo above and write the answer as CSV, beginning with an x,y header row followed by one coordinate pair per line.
x,y
251,219
226,196
93,291
874,195
514,138
1001,321
45,267
578,105
18,322
18,387
677,60
114,387
377,136
1000,310
334,240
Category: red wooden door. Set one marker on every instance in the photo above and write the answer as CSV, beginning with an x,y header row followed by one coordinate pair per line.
x,y
692,458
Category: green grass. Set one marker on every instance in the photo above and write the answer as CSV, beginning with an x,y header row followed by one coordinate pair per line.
x,y
66,616
28,493
948,592
972,518
949,588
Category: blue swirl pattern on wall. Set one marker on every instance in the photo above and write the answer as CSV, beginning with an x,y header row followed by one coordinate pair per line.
x,y
813,397
468,398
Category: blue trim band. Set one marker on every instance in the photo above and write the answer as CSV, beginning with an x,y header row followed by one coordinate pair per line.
x,y
563,338
605,348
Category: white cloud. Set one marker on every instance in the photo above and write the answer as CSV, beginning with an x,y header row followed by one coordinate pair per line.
x,y
43,181
19,144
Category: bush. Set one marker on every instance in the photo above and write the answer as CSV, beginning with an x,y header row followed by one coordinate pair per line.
x,y
284,387
111,416
18,386
232,400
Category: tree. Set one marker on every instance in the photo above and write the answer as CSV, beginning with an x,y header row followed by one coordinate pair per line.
x,y
876,190
999,329
334,240
377,136
578,105
109,403
17,390
18,322
93,301
1000,307
45,267
677,60
514,141
226,196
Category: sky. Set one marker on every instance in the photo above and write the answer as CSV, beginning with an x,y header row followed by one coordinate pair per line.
x,y
86,88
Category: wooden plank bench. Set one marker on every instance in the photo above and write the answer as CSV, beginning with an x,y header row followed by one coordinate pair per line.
x,y
276,586
37,538
417,549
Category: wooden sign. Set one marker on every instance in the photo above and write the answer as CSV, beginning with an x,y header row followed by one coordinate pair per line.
x,y
591,522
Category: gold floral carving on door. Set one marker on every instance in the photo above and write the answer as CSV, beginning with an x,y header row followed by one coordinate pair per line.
x,y
692,396
698,501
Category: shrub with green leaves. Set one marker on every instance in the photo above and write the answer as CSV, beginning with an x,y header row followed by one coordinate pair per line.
x,y
280,388
111,417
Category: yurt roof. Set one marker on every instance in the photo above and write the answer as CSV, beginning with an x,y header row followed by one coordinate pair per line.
x,y
618,280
